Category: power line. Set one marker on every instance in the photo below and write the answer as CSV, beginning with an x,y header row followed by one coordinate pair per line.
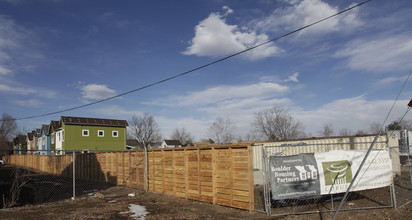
x,y
371,146
194,69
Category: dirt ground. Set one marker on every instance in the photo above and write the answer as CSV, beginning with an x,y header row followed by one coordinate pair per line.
x,y
112,202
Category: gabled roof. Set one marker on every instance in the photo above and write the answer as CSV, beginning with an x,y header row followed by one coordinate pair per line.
x,y
132,142
93,121
173,142
55,125
45,129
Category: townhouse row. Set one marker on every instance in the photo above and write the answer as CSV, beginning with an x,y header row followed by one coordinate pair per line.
x,y
73,134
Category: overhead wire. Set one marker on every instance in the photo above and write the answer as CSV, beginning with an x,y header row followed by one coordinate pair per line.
x,y
194,69
371,147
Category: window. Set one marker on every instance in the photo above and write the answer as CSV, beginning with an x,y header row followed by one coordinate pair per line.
x,y
62,135
85,133
52,138
100,133
115,133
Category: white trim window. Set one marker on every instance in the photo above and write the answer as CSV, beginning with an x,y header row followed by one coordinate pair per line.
x,y
115,133
85,133
63,135
52,138
100,133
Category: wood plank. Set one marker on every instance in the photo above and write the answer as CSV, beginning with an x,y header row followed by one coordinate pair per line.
x,y
241,205
251,180
241,193
243,153
221,201
241,198
206,198
213,177
240,187
223,191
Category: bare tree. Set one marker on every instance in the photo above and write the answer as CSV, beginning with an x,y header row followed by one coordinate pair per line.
x,y
361,132
345,132
375,128
277,124
19,179
406,124
7,128
251,136
327,131
144,129
182,135
221,131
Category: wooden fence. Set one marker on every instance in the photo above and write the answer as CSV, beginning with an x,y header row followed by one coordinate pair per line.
x,y
217,174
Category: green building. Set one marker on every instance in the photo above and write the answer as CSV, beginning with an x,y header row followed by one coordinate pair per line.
x,y
76,133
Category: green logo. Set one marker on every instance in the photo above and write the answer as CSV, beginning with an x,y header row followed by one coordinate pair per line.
x,y
337,172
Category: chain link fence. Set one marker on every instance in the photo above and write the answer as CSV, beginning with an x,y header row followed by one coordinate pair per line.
x,y
402,190
383,197
58,176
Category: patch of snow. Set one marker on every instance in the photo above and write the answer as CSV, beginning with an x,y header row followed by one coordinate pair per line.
x,y
92,195
111,201
139,212
87,191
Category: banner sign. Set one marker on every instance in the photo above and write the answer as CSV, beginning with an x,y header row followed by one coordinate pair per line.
x,y
294,176
328,173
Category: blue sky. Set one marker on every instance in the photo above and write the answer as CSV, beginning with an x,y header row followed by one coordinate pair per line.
x,y
347,71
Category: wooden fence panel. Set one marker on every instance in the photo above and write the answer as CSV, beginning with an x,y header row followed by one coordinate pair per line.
x,y
219,174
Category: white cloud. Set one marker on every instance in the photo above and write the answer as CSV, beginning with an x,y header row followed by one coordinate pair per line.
x,y
28,103
228,10
301,13
237,102
379,54
293,78
4,71
115,111
16,90
227,93
17,47
389,81
214,37
196,127
355,113
96,91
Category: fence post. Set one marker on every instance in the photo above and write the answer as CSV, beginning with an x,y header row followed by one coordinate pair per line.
x,y
393,146
74,175
145,168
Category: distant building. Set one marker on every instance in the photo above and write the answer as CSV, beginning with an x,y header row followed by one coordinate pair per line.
x,y
20,144
77,133
171,144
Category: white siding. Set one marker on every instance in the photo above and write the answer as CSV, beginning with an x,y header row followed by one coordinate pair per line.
x,y
288,148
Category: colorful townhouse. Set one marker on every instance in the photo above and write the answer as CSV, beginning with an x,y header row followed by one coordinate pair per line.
x,y
37,141
45,140
30,142
20,144
53,128
77,133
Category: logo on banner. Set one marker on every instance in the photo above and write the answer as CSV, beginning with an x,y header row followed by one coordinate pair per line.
x,y
310,173
337,172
